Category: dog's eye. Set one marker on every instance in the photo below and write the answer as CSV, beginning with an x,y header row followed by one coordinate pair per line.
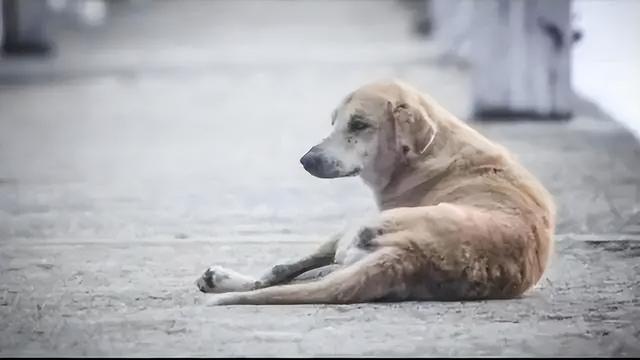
x,y
356,124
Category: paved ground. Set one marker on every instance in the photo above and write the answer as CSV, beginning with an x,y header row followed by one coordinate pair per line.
x,y
162,144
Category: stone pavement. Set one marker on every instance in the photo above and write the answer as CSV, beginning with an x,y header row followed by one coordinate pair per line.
x,y
169,141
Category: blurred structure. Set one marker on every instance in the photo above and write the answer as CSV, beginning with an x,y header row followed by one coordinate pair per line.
x,y
25,24
521,57
25,27
519,50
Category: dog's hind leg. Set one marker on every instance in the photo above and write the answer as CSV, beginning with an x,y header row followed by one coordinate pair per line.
x,y
381,274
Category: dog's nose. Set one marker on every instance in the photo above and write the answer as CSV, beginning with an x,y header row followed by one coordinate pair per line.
x,y
311,160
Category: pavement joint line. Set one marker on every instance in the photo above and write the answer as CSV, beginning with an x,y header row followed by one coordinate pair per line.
x,y
21,242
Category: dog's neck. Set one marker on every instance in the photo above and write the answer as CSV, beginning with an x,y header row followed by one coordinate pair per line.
x,y
408,179
408,183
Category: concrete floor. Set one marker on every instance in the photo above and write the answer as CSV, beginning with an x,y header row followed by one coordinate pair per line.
x,y
161,144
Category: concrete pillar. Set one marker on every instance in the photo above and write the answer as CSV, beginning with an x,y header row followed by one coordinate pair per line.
x,y
25,25
1,27
422,16
451,21
520,56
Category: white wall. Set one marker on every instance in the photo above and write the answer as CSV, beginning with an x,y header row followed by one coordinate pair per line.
x,y
606,62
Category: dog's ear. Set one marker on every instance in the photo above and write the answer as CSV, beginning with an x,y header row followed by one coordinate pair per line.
x,y
390,138
414,131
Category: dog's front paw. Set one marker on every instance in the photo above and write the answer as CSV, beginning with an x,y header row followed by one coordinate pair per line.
x,y
217,279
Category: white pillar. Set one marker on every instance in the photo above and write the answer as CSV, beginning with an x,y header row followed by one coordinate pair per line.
x,y
452,26
520,53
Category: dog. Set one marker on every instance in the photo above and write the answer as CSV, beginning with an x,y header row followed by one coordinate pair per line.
x,y
460,218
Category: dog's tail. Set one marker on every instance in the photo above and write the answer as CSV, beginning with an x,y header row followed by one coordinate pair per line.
x,y
377,276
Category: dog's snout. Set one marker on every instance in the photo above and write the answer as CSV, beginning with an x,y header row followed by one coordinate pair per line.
x,y
318,163
312,160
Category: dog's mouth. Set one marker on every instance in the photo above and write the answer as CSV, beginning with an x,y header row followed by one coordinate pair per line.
x,y
332,173
353,172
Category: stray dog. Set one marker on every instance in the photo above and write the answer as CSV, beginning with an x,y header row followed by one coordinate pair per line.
x,y
459,218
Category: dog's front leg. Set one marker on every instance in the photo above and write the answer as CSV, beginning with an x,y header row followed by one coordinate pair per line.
x,y
218,279
316,274
283,273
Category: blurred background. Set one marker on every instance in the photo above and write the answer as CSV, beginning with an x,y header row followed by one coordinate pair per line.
x,y
200,110
141,141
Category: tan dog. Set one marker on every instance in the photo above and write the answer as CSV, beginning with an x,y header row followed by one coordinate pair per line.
x,y
459,218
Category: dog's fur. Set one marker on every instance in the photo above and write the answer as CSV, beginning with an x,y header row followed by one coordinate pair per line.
x,y
459,218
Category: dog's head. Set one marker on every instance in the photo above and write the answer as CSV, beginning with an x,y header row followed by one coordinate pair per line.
x,y
375,129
